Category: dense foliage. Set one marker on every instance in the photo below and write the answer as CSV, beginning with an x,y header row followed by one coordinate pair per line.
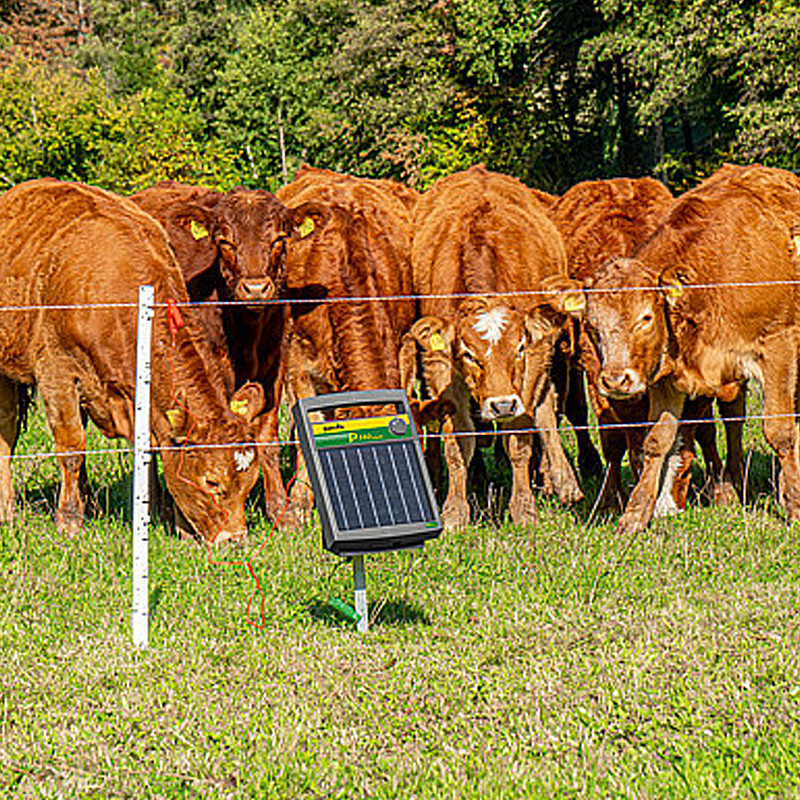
x,y
553,91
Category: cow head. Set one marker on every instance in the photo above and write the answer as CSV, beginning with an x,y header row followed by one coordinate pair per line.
x,y
504,354
246,233
211,484
626,320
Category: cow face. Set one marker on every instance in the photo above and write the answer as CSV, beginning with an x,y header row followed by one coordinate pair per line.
x,y
490,355
247,234
504,354
210,485
626,322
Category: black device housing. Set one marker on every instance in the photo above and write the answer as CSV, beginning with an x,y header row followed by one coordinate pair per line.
x,y
371,485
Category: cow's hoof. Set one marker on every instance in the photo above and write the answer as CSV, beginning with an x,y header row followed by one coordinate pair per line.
x,y
725,495
630,523
293,519
455,514
522,510
567,489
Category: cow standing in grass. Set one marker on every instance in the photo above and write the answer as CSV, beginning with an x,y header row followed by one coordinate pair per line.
x,y
232,247
479,233
361,249
680,320
75,245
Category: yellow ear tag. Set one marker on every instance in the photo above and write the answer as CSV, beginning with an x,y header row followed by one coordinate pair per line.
x,y
173,416
306,227
434,426
437,342
239,407
574,302
197,230
674,291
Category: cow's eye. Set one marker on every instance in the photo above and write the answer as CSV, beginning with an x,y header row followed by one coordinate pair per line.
x,y
212,485
226,244
645,320
469,357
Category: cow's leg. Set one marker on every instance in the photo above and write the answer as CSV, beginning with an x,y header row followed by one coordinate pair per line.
x,y
780,380
692,430
706,435
62,407
458,452
614,442
433,458
269,456
563,479
731,487
666,405
301,496
521,506
9,430
577,412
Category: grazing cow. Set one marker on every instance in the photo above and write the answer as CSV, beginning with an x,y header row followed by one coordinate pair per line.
x,y
681,320
72,244
478,233
232,247
361,249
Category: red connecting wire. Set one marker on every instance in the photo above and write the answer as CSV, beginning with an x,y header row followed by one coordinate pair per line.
x,y
176,322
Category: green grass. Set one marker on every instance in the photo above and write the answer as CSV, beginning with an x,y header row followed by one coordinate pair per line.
x,y
555,662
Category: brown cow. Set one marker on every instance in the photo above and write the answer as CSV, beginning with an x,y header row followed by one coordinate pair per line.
x,y
659,329
71,244
232,247
479,233
361,248
600,220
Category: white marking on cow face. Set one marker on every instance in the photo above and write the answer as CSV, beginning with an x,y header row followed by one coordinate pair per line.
x,y
243,459
490,325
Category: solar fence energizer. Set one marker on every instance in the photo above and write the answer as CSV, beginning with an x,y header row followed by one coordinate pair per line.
x,y
371,486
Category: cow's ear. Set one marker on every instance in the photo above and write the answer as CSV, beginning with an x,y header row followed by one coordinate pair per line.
x,y
248,401
564,295
433,333
178,418
308,219
673,280
188,228
429,334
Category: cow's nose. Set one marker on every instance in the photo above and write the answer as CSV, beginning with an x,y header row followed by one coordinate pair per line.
x,y
250,290
507,407
504,408
617,382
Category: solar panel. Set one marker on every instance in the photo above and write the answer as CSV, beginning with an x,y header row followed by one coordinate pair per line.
x,y
371,487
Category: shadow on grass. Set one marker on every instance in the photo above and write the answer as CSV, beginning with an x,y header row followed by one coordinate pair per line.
x,y
392,612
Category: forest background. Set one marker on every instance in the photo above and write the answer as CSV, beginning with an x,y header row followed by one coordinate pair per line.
x,y
123,93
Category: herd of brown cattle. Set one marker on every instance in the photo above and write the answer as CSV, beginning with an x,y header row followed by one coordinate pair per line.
x,y
506,305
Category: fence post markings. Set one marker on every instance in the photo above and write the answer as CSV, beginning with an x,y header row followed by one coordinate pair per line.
x,y
142,455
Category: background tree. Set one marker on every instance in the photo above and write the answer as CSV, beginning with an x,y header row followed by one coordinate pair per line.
x,y
552,91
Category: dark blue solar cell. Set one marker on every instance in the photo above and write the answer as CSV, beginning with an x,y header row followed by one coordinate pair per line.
x,y
375,485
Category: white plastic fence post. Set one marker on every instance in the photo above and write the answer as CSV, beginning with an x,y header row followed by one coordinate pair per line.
x,y
360,591
140,609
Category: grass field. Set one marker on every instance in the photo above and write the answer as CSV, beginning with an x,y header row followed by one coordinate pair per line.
x,y
503,662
